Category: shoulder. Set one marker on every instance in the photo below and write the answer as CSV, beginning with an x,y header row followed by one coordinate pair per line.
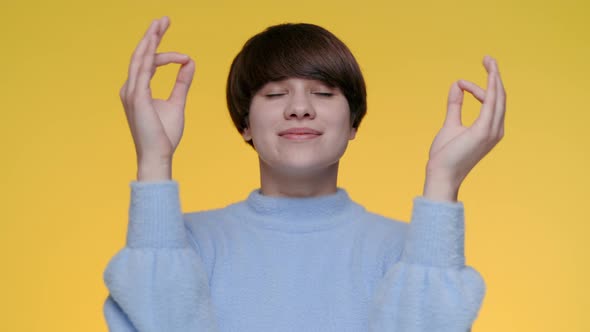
x,y
379,221
378,228
207,228
210,217
386,234
384,227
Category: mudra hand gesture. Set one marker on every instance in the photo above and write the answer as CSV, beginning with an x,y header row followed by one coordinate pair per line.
x,y
156,125
457,149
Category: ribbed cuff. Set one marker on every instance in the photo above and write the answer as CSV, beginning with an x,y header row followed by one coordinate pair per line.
x,y
155,216
436,235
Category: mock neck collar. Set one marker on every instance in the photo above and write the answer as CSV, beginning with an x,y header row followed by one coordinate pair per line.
x,y
299,214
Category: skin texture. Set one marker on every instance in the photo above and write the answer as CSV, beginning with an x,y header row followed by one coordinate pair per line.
x,y
302,168
156,125
299,167
456,149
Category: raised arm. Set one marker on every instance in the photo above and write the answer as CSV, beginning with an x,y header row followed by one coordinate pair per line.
x,y
156,125
157,281
430,288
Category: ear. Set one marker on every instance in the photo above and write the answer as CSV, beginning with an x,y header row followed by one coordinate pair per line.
x,y
246,134
352,134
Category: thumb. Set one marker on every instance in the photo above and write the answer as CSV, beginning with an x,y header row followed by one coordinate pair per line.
x,y
184,79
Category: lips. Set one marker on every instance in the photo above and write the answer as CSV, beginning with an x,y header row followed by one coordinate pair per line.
x,y
299,131
300,134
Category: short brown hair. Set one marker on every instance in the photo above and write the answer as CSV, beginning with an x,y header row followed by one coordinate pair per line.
x,y
293,50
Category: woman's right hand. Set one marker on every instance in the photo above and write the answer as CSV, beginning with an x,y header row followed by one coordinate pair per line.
x,y
156,125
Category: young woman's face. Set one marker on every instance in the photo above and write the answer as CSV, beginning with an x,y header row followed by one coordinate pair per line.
x,y
299,125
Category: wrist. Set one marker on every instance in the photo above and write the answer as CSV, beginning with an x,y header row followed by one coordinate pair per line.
x,y
154,171
443,190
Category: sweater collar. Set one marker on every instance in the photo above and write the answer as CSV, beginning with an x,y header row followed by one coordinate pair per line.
x,y
299,214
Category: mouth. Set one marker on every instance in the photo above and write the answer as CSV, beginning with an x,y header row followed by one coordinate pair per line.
x,y
299,137
300,133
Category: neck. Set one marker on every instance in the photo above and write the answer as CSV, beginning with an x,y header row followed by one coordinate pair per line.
x,y
298,184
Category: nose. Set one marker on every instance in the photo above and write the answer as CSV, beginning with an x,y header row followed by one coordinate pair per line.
x,y
299,106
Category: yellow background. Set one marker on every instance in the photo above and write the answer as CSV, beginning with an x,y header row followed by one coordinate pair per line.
x,y
68,156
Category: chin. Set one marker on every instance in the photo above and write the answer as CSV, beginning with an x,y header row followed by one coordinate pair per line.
x,y
300,159
303,166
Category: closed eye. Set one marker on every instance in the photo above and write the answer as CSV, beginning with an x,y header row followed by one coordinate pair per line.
x,y
272,95
325,94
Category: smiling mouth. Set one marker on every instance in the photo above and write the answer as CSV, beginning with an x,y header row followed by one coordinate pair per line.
x,y
300,137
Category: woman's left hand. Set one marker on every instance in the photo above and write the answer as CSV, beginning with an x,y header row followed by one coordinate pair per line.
x,y
457,149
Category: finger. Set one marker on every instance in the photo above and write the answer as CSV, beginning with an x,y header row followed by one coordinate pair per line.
x,y
454,104
486,115
145,73
137,57
474,89
498,126
162,59
183,83
170,57
164,23
487,62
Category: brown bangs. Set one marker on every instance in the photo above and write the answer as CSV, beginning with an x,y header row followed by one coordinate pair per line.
x,y
293,50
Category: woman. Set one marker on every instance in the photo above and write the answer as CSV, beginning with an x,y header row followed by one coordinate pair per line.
x,y
297,254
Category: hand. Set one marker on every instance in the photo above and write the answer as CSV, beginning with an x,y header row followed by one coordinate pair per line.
x,y
457,149
156,125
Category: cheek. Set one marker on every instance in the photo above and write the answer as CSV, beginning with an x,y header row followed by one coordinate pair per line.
x,y
262,127
256,123
343,118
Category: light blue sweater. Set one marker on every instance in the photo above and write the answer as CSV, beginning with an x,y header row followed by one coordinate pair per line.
x,y
289,264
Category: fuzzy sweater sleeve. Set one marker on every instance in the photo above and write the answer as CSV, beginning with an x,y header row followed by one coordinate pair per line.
x,y
157,282
430,288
